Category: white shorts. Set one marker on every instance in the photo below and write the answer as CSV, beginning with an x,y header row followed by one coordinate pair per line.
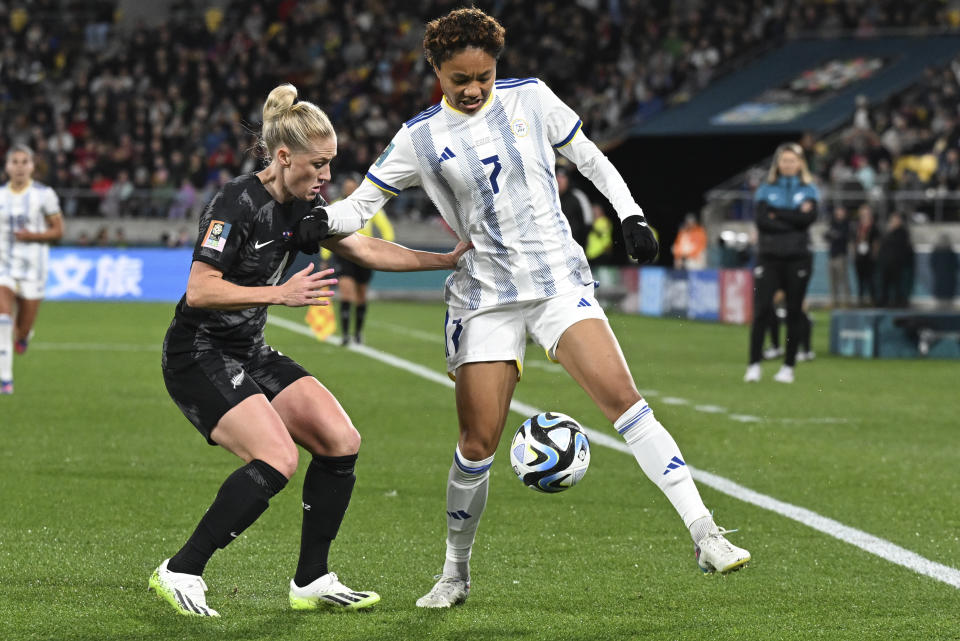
x,y
24,288
499,333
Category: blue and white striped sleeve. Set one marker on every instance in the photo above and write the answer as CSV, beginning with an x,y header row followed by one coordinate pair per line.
x,y
394,170
561,122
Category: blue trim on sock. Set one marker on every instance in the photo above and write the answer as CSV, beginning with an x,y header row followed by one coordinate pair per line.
x,y
471,470
636,419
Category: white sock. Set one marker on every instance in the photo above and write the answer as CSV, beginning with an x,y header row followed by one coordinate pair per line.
x,y
467,487
660,459
6,347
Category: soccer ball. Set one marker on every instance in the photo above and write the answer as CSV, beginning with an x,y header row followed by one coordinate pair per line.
x,y
550,452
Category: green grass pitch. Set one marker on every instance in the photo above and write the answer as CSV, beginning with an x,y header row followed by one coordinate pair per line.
x,y
102,478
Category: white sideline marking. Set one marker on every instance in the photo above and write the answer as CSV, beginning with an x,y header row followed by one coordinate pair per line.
x,y
430,337
858,538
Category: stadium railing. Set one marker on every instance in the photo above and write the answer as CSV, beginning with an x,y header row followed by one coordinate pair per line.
x,y
932,205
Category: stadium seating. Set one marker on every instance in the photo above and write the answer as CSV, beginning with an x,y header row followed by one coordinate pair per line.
x,y
153,119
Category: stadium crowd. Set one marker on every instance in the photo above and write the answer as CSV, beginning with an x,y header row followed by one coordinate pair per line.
x,y
896,163
902,154
153,120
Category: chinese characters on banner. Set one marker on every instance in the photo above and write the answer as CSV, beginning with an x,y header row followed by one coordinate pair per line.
x,y
135,274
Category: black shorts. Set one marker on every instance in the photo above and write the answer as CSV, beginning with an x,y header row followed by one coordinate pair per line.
x,y
206,385
345,268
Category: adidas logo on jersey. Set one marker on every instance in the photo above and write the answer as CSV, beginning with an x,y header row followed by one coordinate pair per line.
x,y
447,154
583,303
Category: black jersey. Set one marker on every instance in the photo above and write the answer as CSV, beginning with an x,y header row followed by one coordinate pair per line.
x,y
252,239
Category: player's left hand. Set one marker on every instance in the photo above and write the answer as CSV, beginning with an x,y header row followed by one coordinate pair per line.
x,y
641,244
313,228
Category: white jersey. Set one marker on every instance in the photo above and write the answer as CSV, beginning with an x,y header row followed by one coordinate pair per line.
x,y
491,176
25,211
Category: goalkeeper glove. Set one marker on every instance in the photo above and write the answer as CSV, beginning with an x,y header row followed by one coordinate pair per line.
x,y
640,241
313,228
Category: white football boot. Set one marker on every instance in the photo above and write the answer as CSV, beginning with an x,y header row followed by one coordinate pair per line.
x,y
716,554
785,375
447,592
753,373
185,592
327,591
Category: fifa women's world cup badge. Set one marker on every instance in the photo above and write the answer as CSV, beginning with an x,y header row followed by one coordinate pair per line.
x,y
216,237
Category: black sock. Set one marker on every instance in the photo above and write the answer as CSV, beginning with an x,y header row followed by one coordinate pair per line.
x,y
241,500
345,317
326,495
361,316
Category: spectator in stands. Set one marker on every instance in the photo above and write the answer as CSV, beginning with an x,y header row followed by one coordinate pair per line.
x,y
895,264
180,79
838,238
945,266
948,171
115,203
786,207
690,246
866,244
82,81
184,200
575,206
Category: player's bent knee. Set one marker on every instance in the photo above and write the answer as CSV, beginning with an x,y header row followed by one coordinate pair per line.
x,y
350,441
283,459
342,441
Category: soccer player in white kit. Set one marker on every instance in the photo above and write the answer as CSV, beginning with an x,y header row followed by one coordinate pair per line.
x,y
485,156
30,219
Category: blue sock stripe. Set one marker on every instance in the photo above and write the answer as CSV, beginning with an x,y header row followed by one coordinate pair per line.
x,y
636,419
471,470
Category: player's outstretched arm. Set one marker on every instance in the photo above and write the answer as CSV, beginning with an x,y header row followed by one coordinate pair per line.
x,y
207,289
375,253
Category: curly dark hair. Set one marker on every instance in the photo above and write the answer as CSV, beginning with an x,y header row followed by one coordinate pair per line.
x,y
460,29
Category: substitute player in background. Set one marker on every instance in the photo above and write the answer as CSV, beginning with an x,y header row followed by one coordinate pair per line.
x,y
245,396
354,279
30,219
485,155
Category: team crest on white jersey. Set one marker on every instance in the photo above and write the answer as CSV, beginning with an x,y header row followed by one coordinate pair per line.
x,y
519,127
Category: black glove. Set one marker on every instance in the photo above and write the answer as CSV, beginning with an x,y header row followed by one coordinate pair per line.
x,y
313,228
639,239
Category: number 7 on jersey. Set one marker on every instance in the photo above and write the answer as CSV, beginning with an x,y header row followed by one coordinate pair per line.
x,y
495,161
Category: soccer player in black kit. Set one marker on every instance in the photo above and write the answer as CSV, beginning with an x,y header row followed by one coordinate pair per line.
x,y
242,394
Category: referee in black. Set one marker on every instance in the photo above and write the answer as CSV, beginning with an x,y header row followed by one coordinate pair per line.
x,y
786,206
245,396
